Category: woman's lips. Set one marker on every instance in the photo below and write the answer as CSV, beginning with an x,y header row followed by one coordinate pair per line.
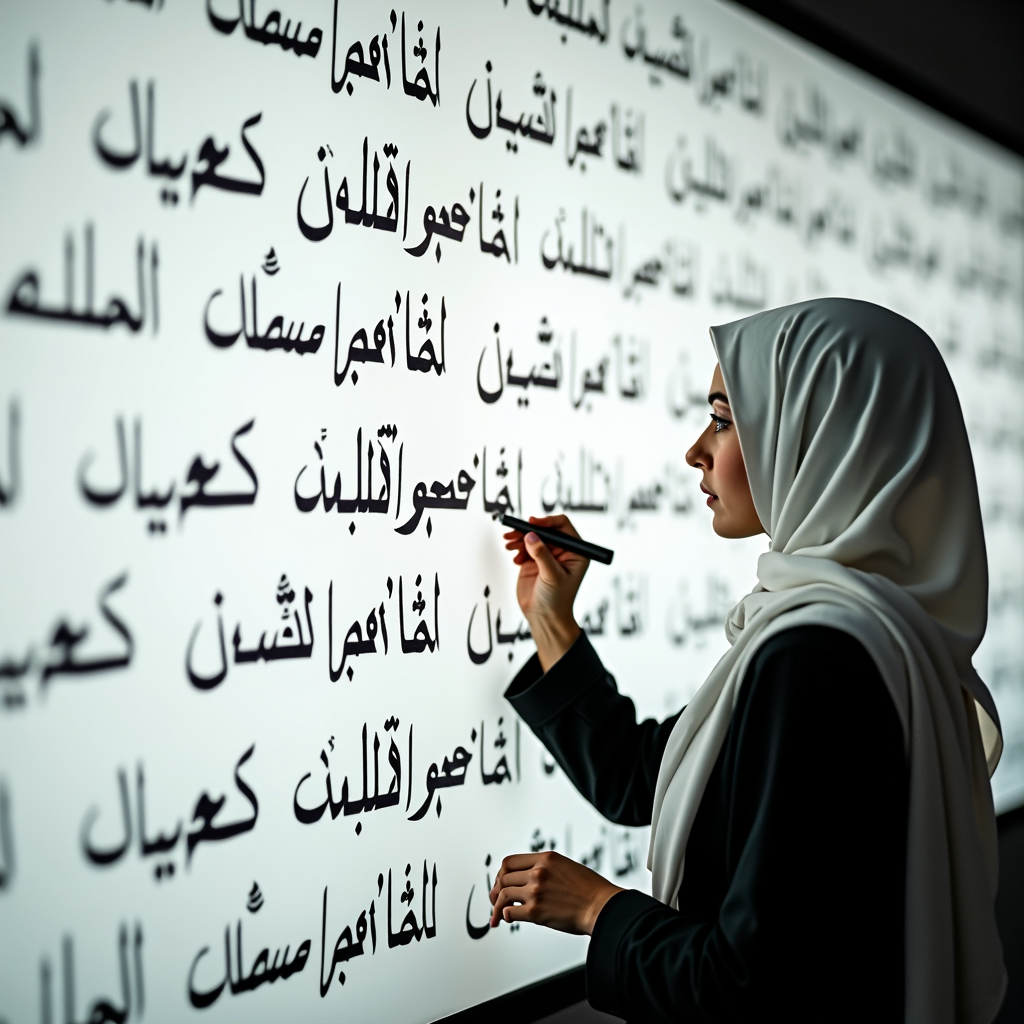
x,y
711,497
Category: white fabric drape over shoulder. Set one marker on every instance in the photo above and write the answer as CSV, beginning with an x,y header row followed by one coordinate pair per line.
x,y
862,476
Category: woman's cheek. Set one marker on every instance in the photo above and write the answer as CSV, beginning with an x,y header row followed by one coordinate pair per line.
x,y
731,471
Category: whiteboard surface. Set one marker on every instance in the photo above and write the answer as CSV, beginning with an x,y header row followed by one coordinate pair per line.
x,y
560,199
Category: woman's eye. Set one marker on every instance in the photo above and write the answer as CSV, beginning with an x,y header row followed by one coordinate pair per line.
x,y
720,423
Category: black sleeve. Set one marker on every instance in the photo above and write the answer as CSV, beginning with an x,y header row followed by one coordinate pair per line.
x,y
592,732
809,797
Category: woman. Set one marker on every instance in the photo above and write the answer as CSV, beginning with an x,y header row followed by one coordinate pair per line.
x,y
823,838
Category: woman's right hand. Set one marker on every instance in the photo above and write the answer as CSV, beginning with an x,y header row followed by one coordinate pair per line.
x,y
549,578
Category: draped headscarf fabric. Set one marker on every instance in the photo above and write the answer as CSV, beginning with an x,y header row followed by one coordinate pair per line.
x,y
862,476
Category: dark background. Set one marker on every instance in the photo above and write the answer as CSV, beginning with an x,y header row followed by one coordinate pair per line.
x,y
965,58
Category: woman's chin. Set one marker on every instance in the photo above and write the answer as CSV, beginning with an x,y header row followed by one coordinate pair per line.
x,y
724,525
729,529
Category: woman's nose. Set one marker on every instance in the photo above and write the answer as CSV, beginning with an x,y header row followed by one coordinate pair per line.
x,y
698,457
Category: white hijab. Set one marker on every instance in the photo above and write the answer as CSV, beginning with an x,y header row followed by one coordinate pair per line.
x,y
862,476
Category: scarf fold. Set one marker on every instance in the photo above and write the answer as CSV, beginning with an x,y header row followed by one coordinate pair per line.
x,y
862,476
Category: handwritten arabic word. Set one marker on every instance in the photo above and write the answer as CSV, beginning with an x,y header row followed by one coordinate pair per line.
x,y
6,839
743,80
626,134
539,127
356,66
203,814
594,491
62,659
25,134
811,124
292,643
479,657
629,599
9,491
354,644
359,349
439,496
739,281
274,335
263,970
198,473
208,153
592,240
589,27
24,295
270,33
684,625
103,1009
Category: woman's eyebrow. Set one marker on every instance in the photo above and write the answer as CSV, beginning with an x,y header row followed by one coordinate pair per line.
x,y
717,396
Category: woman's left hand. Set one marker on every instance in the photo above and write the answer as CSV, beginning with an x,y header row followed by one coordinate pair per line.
x,y
549,889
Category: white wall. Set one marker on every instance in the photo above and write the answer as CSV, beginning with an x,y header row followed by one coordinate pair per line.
x,y
736,170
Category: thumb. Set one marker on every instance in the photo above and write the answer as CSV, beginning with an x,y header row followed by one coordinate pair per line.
x,y
548,569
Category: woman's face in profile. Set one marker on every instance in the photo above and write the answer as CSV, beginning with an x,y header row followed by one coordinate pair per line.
x,y
717,453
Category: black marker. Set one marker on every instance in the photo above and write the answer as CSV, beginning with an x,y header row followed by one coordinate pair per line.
x,y
560,540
